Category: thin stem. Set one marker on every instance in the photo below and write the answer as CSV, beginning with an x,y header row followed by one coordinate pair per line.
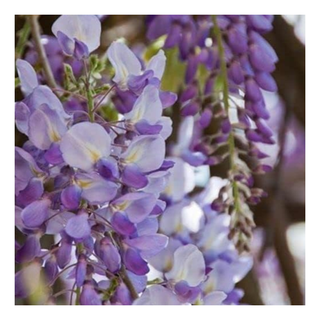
x,y
123,273
72,292
101,100
225,92
128,283
35,31
62,292
79,96
78,296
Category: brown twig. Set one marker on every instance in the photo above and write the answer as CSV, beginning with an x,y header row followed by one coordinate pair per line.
x,y
36,35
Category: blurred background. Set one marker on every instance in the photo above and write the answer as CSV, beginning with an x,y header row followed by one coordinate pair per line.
x,y
278,276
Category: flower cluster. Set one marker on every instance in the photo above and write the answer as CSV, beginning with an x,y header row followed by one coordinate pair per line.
x,y
95,173
200,264
238,62
93,185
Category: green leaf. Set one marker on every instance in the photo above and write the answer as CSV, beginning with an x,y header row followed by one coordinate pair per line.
x,y
174,74
109,113
16,82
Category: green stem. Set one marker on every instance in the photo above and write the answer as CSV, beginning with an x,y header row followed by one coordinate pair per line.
x,y
90,104
78,296
24,34
225,92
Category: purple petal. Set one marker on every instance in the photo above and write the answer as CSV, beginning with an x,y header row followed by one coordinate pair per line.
x,y
122,224
144,128
51,269
137,205
192,67
81,270
264,44
259,23
159,26
81,50
167,98
54,155
45,127
205,118
259,109
266,81
96,189
30,249
63,254
89,295
139,282
66,43
109,254
27,75
133,177
235,72
71,196
237,38
185,292
32,192
108,168
173,37
190,109
134,262
22,115
78,227
137,83
148,106
148,226
253,92
57,222
35,213
263,128
149,245
260,60
44,95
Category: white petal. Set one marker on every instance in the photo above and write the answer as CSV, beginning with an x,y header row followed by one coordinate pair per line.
x,y
86,28
147,107
84,144
124,62
157,64
188,265
147,152
157,295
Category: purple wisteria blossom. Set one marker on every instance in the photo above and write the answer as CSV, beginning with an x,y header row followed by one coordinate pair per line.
x,y
128,220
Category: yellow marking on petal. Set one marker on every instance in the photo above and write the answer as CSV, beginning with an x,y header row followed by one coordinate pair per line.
x,y
54,135
179,228
84,183
209,287
121,206
94,155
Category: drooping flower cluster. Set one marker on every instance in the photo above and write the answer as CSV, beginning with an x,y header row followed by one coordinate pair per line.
x,y
93,185
200,264
124,227
238,62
